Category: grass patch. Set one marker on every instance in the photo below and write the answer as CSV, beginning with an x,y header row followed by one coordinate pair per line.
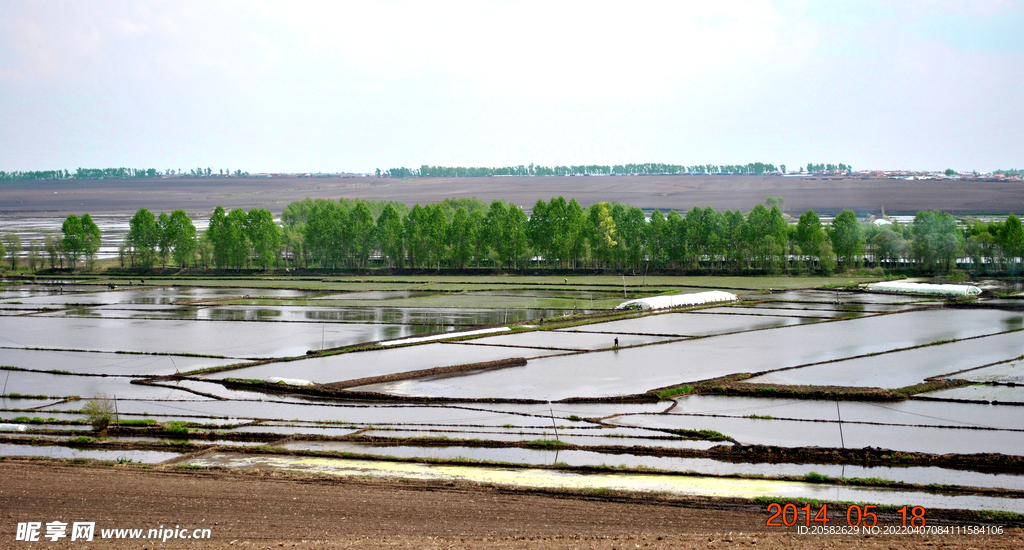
x,y
672,392
143,422
176,427
815,477
545,443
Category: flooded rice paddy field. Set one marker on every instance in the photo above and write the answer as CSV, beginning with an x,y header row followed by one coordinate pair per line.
x,y
908,367
684,485
182,342
703,466
983,394
1006,372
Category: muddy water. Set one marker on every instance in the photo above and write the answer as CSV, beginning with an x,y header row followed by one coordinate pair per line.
x,y
689,324
269,410
915,475
253,339
536,434
350,366
435,317
840,297
567,340
105,363
51,451
1002,394
911,412
904,368
638,370
97,295
64,385
789,307
688,485
770,312
788,433
1012,371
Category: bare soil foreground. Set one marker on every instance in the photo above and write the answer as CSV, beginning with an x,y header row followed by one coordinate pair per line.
x,y
825,196
261,510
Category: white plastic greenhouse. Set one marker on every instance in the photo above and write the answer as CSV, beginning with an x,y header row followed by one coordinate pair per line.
x,y
926,289
678,300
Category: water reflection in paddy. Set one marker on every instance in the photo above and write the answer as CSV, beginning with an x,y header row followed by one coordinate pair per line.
x,y
637,370
914,475
1002,394
903,368
39,383
788,433
105,363
688,324
156,295
351,366
915,412
1011,371
250,339
743,488
311,412
53,451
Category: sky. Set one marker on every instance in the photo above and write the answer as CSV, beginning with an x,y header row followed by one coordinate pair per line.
x,y
353,86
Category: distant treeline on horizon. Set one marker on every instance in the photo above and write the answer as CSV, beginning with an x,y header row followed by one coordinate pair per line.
x,y
427,171
651,168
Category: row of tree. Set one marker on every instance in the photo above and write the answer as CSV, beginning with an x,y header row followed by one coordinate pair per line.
x,y
651,168
233,240
811,167
80,240
461,233
115,173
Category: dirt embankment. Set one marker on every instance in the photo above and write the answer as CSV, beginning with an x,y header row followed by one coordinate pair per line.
x,y
262,510
825,196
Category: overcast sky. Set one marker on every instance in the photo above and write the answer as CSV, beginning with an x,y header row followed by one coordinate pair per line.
x,y
332,86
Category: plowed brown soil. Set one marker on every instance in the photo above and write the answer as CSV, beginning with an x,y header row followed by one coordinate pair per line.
x,y
259,510
825,196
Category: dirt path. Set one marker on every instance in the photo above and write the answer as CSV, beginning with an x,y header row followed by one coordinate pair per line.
x,y
263,511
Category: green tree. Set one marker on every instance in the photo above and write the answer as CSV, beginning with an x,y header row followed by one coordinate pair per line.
x,y
362,233
214,236
937,242
53,251
236,237
889,245
163,241
262,234
810,236
846,235
73,240
32,258
11,246
181,237
390,235
603,233
460,238
92,239
1011,241
143,238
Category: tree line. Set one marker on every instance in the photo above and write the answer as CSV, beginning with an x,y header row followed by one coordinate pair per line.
x,y
651,168
558,234
116,173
